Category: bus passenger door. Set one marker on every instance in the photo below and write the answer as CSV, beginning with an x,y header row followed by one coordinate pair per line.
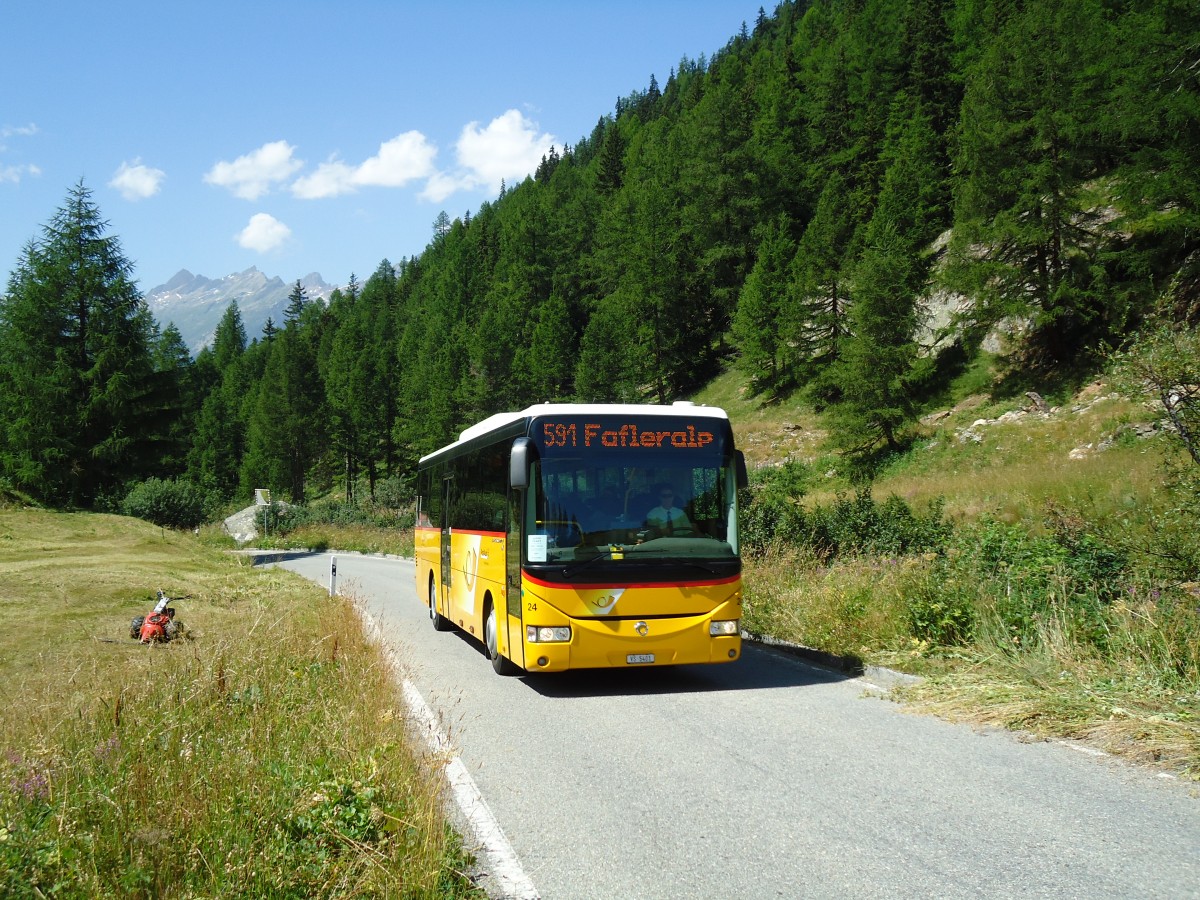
x,y
444,593
512,579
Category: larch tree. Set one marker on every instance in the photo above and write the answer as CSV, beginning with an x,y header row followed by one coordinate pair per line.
x,y
1028,228
757,322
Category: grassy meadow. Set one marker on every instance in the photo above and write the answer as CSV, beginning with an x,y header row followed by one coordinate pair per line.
x,y
266,755
1046,602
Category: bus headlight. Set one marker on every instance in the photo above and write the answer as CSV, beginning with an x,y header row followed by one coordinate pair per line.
x,y
559,634
718,629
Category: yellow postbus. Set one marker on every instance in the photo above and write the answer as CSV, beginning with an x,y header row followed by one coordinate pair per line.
x,y
586,535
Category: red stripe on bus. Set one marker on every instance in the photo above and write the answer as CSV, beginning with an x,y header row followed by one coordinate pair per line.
x,y
649,584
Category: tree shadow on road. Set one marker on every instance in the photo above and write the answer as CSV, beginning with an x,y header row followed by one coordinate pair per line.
x,y
268,557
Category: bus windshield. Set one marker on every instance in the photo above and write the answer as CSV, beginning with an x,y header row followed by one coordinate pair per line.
x,y
618,493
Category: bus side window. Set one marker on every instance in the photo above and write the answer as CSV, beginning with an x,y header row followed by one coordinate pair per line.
x,y
431,497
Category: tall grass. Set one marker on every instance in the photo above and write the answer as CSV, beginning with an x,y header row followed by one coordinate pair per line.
x,y
266,757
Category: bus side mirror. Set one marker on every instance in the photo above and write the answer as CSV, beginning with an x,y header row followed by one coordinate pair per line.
x,y
739,462
518,464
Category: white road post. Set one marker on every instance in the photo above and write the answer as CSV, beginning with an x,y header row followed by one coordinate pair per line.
x,y
332,575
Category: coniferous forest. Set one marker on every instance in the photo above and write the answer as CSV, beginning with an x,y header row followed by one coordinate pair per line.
x,y
795,205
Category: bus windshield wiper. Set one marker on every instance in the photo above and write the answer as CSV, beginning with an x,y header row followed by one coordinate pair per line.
x,y
569,571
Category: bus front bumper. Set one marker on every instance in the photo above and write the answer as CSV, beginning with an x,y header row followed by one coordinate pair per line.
x,y
630,643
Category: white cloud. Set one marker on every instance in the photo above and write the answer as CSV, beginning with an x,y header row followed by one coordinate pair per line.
x,y
8,131
440,186
14,174
136,181
263,233
252,175
508,148
406,157
330,179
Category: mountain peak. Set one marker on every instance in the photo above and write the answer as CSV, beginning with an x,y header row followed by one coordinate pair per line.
x,y
196,304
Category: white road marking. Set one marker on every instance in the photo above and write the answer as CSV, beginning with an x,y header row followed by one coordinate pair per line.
x,y
1081,748
504,866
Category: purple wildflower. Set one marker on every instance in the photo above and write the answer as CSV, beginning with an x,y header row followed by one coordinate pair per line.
x,y
35,787
107,750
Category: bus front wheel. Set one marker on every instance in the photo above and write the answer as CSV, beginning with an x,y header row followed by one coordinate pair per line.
x,y
440,622
501,664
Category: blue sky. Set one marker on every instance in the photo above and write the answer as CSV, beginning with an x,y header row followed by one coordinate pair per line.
x,y
307,136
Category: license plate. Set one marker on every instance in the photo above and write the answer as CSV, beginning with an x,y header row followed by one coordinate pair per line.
x,y
639,658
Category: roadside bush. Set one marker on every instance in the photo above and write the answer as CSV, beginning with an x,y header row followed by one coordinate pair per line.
x,y
771,514
394,492
860,525
1162,368
770,511
1172,545
941,605
1069,577
168,504
339,513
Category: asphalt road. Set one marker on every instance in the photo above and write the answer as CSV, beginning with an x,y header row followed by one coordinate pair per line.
x,y
768,777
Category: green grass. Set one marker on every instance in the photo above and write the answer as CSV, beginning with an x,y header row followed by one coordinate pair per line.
x,y
266,756
766,431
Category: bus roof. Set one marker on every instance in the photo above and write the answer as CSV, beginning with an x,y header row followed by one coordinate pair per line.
x,y
501,420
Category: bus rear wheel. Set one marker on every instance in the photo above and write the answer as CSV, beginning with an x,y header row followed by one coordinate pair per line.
x,y
440,622
501,664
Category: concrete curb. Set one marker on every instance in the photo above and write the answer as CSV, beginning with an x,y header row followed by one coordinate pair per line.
x,y
847,665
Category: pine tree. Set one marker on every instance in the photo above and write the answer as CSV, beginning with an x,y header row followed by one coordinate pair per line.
x,y
219,442
219,436
229,340
297,300
1156,115
606,371
345,389
547,364
881,359
178,394
610,164
359,379
78,414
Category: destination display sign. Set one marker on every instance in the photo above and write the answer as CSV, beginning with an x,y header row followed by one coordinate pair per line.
x,y
610,435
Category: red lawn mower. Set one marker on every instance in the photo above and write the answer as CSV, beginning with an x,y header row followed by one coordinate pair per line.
x,y
159,626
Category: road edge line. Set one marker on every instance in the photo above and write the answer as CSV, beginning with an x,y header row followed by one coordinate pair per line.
x,y
505,867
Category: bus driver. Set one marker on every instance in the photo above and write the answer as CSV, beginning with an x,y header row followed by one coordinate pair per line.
x,y
667,517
